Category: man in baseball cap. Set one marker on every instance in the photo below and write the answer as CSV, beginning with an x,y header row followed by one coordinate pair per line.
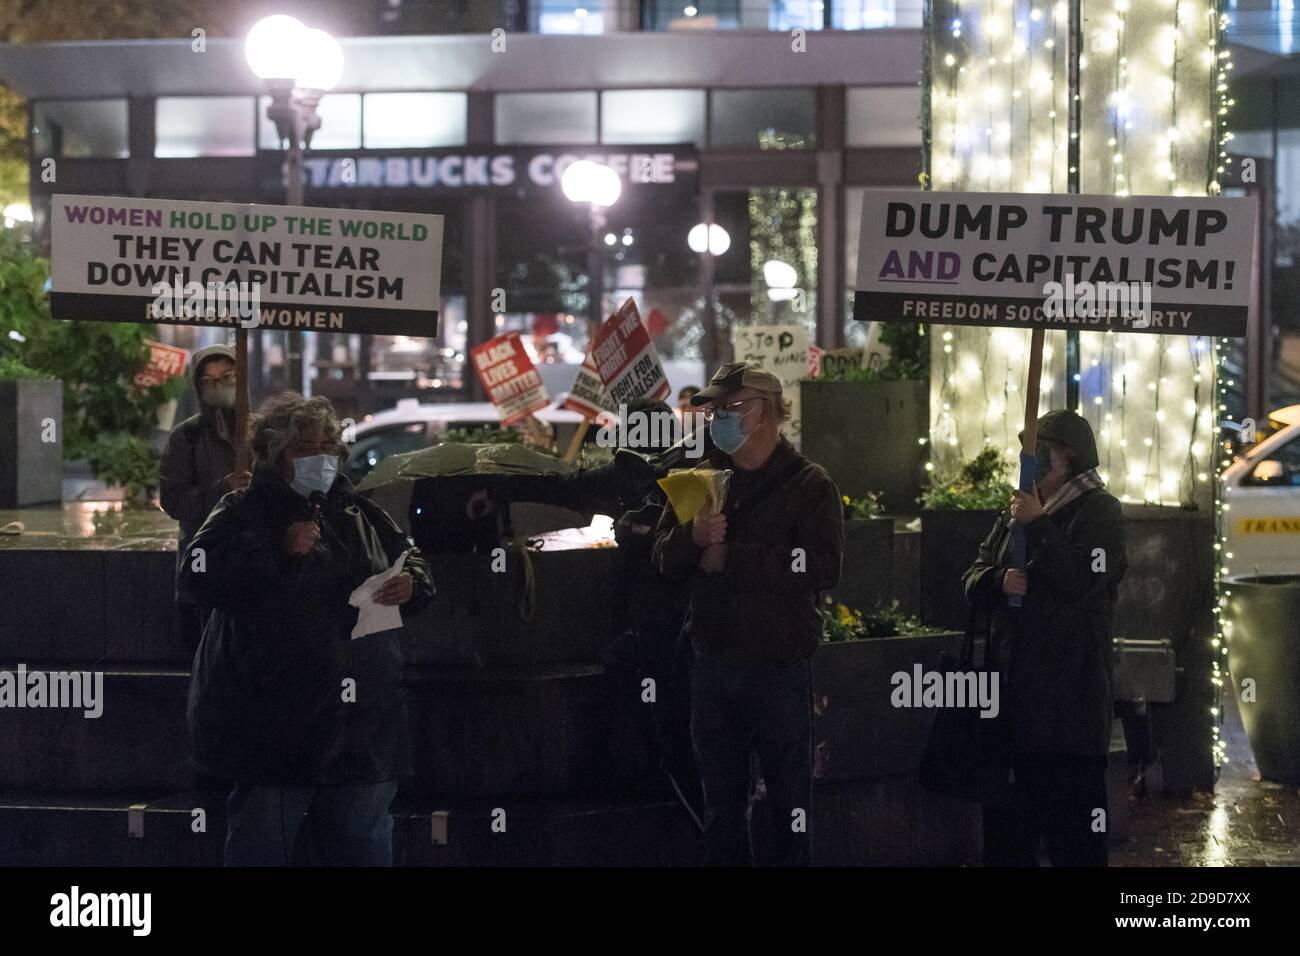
x,y
756,571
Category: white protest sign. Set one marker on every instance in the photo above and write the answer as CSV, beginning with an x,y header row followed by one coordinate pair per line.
x,y
123,259
1082,263
783,351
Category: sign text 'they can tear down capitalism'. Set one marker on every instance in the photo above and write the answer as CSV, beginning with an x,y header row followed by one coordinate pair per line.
x,y
333,270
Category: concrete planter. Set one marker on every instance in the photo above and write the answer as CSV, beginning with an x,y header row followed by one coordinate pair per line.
x,y
31,442
1264,647
867,575
867,755
950,541
865,434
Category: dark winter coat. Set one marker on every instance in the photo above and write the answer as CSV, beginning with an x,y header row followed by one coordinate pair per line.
x,y
198,456
1055,651
763,606
267,693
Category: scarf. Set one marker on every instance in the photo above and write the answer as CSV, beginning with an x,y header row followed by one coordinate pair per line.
x,y
1072,489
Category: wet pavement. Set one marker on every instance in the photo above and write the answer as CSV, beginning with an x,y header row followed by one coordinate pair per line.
x,y
1244,822
88,526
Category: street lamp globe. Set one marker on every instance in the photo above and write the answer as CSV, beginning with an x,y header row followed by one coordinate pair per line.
x,y
585,181
708,237
274,47
320,61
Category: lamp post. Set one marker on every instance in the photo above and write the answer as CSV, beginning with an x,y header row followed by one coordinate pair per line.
x,y
599,187
708,240
298,65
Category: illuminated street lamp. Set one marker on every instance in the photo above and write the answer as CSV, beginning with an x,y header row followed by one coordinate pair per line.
x,y
708,237
298,64
599,186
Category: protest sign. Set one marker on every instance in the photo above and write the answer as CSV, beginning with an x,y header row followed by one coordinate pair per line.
x,y
165,362
124,259
626,359
783,351
508,376
838,361
1039,261
588,397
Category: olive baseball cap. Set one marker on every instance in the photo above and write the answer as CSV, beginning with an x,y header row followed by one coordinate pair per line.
x,y
734,376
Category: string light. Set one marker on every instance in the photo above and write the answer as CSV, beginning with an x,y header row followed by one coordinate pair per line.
x,y
1155,95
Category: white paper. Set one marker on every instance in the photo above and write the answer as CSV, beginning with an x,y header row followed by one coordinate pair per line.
x,y
373,617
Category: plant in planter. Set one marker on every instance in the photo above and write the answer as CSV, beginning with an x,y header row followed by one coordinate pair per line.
x,y
107,419
865,508
960,508
843,623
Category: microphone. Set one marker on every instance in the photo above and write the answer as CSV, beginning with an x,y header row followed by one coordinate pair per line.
x,y
317,501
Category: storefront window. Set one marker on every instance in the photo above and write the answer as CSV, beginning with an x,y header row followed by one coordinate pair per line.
x,y
874,14
576,16
397,120
772,278
187,126
543,254
80,129
546,117
734,14
340,123
652,116
883,116
752,118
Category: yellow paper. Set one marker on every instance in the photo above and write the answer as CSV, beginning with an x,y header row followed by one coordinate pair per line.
x,y
694,490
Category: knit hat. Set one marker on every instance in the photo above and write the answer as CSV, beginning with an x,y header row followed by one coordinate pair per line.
x,y
1071,429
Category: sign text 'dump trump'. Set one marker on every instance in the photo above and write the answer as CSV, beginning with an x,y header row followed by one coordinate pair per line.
x,y
222,264
1083,263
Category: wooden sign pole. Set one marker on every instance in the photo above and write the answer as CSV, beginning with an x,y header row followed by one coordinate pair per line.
x,y
575,444
243,458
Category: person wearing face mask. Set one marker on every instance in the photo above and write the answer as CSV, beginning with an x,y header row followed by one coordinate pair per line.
x,y
756,572
198,465
308,721
1053,652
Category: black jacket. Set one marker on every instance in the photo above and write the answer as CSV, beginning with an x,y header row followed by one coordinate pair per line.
x,y
1055,651
785,545
268,701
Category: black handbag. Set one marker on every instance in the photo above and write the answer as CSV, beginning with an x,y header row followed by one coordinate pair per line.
x,y
968,756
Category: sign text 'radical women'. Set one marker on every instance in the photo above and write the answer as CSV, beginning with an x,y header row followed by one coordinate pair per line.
x,y
222,264
1087,263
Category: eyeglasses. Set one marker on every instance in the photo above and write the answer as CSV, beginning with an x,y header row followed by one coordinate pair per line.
x,y
727,410
207,384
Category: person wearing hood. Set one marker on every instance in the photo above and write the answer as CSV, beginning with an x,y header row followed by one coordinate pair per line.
x,y
198,464
289,695
1054,652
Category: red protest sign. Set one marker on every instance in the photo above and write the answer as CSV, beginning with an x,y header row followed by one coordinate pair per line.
x,y
626,359
588,397
165,362
507,373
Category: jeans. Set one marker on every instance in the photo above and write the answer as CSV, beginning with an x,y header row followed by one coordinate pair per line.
x,y
738,708
350,824
1055,798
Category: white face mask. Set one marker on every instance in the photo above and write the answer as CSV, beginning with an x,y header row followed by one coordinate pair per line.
x,y
220,396
314,473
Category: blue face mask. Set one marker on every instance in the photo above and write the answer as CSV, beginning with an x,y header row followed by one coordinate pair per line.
x,y
314,473
726,432
1042,463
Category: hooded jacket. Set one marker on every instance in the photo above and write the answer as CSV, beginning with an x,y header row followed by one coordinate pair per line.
x,y
200,452
268,698
1054,652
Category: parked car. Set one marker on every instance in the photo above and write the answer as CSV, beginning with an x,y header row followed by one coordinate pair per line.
x,y
1262,490
411,425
